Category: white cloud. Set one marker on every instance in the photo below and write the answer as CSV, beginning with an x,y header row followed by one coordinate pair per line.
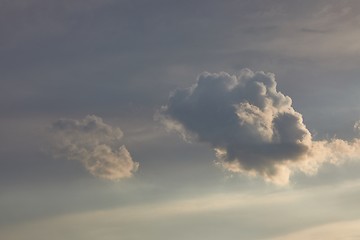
x,y
252,127
357,126
96,145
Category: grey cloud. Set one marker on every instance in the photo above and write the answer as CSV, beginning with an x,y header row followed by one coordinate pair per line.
x,y
252,127
95,144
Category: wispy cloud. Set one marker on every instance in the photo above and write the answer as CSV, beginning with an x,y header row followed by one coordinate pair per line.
x,y
96,145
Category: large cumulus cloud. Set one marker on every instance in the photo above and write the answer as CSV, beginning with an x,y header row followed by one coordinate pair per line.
x,y
95,144
252,127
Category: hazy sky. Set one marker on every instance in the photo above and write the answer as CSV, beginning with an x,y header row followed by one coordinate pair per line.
x,y
157,120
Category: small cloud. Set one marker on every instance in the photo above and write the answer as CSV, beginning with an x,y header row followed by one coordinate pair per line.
x,y
95,144
252,126
357,126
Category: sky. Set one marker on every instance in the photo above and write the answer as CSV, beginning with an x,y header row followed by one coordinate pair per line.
x,y
139,119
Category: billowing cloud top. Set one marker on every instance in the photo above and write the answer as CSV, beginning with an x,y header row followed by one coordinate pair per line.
x,y
250,124
95,144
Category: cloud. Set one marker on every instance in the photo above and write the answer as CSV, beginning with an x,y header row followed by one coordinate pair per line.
x,y
96,145
252,126
357,126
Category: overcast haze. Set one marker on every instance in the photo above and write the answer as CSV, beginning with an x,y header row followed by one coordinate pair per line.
x,y
139,119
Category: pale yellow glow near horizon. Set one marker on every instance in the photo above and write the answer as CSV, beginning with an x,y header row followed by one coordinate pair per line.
x,y
161,219
347,230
